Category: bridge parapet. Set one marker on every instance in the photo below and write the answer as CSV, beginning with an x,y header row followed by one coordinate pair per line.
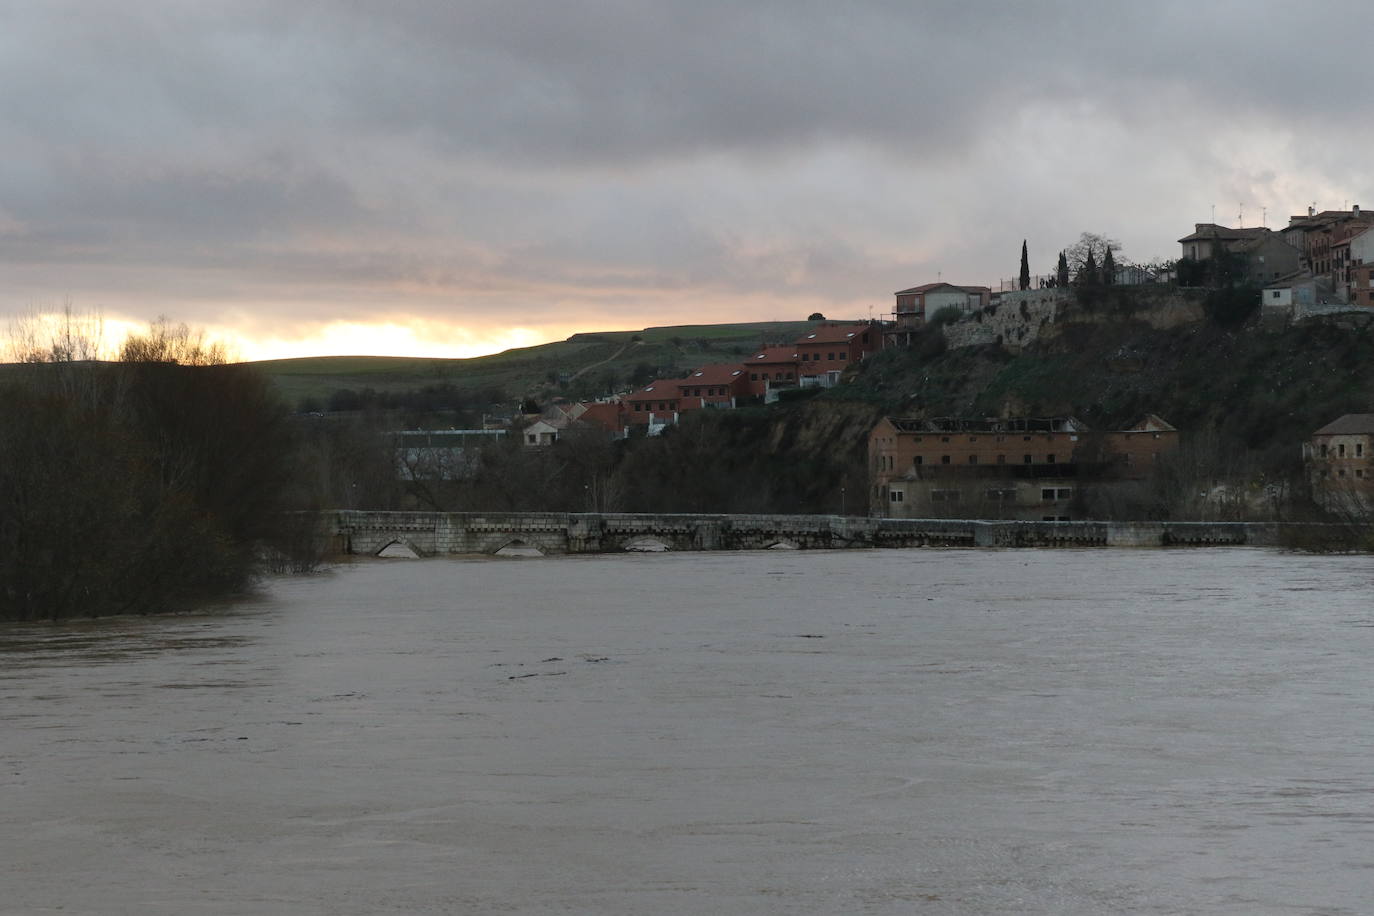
x,y
431,533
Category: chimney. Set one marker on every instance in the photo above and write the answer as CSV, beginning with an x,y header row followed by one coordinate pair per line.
x,y
1355,211
1311,211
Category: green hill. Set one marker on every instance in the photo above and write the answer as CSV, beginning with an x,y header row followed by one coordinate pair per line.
x,y
584,365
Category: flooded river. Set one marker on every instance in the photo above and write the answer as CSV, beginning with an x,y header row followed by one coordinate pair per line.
x,y
1056,732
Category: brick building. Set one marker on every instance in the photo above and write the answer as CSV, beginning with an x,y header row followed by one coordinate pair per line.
x,y
711,386
1340,463
773,368
1027,468
834,347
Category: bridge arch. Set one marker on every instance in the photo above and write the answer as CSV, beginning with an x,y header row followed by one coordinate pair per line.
x,y
519,547
399,549
646,543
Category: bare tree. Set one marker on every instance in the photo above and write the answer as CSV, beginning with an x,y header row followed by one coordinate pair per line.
x,y
165,342
67,336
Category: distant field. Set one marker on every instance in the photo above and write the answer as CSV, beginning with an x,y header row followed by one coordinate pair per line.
x,y
603,355
584,365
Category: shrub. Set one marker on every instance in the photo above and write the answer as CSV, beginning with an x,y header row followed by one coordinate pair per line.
x,y
1231,306
946,315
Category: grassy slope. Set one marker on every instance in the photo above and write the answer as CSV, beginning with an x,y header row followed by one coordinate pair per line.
x,y
526,369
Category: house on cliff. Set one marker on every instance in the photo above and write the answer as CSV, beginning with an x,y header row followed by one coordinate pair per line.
x,y
831,348
1027,468
1266,255
773,369
917,304
1322,239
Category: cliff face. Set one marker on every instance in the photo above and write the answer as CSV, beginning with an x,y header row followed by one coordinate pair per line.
x,y
1253,390
1024,318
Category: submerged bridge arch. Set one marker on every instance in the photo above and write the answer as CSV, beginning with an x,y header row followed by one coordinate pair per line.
x,y
439,533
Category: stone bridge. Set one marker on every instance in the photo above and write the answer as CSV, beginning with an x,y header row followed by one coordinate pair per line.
x,y
435,533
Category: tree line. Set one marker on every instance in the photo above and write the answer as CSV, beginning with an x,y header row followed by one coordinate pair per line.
x,y
149,483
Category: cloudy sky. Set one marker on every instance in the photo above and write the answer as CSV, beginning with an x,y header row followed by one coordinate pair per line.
x,y
452,177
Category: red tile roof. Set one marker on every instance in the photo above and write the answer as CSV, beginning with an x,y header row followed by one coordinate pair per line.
x,y
606,415
720,374
842,333
786,354
657,390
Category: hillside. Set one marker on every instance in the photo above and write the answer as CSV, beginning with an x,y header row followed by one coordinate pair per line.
x,y
585,365
1254,392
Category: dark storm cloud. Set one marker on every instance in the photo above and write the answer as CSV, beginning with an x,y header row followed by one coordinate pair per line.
x,y
707,146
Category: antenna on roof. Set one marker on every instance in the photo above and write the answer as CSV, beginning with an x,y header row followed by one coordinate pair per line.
x,y
1240,217
1214,214
1264,217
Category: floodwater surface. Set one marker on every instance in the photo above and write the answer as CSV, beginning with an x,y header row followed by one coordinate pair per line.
x,y
932,731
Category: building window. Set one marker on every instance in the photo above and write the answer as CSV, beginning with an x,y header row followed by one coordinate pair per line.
x,y
972,459
1049,459
944,459
895,496
1323,449
1001,459
920,459
1026,459
1359,449
1340,450
944,438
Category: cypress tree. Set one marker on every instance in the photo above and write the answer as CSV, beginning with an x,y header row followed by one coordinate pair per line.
x,y
1025,267
1087,274
1063,270
1108,268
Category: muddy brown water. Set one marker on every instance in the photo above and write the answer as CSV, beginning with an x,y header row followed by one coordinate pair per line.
x,y
1058,732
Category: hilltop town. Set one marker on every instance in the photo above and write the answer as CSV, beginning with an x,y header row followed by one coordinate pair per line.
x,y
1094,390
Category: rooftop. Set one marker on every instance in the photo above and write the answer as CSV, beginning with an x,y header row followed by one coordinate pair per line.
x,y
990,425
1211,231
1352,424
720,374
840,333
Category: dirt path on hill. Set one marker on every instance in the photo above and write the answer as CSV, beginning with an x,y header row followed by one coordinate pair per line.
x,y
614,356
